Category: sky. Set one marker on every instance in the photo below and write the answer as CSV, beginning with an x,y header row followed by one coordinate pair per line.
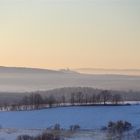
x,y
56,34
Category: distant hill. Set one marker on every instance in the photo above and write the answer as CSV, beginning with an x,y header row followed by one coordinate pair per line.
x,y
13,79
109,71
26,70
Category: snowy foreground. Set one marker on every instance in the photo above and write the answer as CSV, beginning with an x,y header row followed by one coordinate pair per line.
x,y
90,119
12,134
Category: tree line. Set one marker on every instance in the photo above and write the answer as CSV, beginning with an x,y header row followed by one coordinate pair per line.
x,y
105,97
38,101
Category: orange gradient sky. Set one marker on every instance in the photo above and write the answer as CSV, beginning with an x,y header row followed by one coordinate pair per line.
x,y
70,33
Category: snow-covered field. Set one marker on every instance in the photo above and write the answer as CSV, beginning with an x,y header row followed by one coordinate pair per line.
x,y
12,134
89,118
86,117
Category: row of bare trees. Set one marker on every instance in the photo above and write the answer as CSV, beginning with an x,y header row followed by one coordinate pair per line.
x,y
37,101
103,98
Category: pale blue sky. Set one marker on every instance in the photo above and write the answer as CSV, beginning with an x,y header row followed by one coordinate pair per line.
x,y
70,33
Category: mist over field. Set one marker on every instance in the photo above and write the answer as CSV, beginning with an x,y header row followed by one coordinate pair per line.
x,y
29,79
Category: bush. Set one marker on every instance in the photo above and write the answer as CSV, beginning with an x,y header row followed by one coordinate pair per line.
x,y
25,137
57,127
104,128
137,134
74,127
119,127
47,136
44,136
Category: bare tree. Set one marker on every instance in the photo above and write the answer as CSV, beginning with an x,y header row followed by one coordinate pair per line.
x,y
116,98
86,98
37,100
50,100
105,96
63,99
25,100
94,98
79,97
72,98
